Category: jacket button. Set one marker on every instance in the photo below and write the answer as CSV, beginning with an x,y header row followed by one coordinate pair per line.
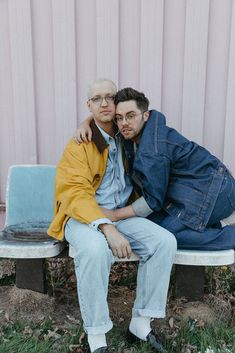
x,y
221,169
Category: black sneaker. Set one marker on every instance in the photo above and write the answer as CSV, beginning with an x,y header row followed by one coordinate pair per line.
x,y
151,339
101,350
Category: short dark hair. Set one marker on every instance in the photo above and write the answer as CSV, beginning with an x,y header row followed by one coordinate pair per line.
x,y
129,94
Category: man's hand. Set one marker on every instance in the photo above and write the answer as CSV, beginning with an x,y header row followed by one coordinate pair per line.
x,y
119,245
110,214
119,213
84,133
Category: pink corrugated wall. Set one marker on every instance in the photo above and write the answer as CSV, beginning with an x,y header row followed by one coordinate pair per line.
x,y
180,52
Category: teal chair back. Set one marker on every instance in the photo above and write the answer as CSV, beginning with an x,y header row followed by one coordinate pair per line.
x,y
30,197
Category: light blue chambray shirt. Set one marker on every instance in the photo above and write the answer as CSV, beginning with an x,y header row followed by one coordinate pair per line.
x,y
116,187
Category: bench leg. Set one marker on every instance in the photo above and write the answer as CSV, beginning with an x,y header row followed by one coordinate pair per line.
x,y
189,282
30,274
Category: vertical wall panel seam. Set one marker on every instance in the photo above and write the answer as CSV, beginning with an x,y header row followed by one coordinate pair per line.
x,y
76,57
140,2
11,75
53,61
119,43
34,86
96,39
183,76
227,75
206,73
163,52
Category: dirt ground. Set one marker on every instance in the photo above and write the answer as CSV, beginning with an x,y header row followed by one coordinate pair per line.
x,y
63,308
62,305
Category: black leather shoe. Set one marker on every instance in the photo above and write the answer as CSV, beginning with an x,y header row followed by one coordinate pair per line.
x,y
151,339
101,350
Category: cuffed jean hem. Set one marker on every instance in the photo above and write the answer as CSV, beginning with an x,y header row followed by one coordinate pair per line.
x,y
148,313
98,330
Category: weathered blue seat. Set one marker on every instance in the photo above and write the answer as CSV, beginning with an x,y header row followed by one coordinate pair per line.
x,y
29,211
30,195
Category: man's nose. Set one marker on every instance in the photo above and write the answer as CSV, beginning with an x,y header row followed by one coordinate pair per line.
x,y
103,102
124,121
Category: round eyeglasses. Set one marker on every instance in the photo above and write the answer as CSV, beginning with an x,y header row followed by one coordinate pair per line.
x,y
98,100
119,119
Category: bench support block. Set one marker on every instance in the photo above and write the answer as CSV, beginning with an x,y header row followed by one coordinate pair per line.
x,y
189,282
30,274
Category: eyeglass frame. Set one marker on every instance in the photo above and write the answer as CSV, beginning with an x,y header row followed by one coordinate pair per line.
x,y
127,118
99,99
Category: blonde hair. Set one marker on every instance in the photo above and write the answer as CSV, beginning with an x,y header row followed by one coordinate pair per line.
x,y
97,81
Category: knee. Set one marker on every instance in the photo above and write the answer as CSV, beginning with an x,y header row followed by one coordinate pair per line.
x,y
172,243
168,243
94,253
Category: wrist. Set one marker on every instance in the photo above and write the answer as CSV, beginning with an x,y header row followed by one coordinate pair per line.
x,y
117,215
106,227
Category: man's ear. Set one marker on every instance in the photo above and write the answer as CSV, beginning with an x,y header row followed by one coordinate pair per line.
x,y
88,105
146,115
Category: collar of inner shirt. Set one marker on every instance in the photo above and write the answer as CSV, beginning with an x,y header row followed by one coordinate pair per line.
x,y
106,136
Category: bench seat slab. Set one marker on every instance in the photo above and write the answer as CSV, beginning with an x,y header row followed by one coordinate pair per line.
x,y
29,250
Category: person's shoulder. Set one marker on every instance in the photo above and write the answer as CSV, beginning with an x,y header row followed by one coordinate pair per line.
x,y
75,151
157,117
73,145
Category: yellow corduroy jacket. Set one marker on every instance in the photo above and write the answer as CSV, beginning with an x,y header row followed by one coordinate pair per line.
x,y
78,176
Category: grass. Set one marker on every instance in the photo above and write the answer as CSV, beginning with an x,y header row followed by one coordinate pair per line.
x,y
218,338
43,338
47,338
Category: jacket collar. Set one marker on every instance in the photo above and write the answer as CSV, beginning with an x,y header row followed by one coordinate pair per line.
x,y
97,137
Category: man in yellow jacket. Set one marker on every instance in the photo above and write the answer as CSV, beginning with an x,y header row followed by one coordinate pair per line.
x,y
91,176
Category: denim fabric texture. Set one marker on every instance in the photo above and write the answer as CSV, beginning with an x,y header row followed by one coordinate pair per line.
x,y
212,238
179,176
116,186
115,180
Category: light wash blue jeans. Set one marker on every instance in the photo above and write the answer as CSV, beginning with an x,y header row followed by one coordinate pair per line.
x,y
93,259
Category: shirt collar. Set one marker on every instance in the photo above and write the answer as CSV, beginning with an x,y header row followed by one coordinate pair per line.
x,y
106,136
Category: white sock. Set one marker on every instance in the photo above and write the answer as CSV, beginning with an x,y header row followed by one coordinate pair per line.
x,y
96,341
140,326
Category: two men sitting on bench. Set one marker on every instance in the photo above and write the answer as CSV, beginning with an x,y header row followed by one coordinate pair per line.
x,y
184,189
91,181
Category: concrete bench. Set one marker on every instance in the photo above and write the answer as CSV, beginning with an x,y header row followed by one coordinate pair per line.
x,y
29,210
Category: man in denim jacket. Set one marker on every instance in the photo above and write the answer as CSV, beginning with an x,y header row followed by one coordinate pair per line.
x,y
185,188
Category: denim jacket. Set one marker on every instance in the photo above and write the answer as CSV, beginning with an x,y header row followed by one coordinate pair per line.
x,y
175,174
